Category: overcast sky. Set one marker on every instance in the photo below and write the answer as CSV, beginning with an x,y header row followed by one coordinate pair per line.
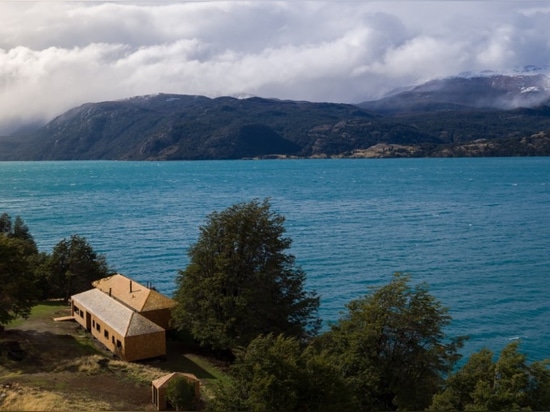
x,y
55,55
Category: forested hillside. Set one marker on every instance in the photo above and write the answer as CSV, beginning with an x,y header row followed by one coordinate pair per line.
x,y
169,127
439,119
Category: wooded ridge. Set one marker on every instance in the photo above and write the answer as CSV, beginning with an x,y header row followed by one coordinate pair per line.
x,y
416,123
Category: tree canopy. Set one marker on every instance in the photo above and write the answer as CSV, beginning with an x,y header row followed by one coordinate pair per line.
x,y
18,230
27,275
181,393
508,383
391,346
72,267
17,249
242,282
17,294
277,373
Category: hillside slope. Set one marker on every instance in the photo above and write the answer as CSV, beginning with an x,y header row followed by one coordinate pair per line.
x,y
475,116
169,127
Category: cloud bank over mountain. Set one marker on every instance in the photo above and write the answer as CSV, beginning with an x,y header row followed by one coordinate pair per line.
x,y
56,55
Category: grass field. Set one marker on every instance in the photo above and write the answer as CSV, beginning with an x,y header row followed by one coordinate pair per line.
x,y
64,368
42,311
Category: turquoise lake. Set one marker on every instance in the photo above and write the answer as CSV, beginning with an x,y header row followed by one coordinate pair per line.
x,y
476,230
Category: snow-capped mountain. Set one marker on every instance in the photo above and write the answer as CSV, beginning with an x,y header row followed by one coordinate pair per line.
x,y
529,87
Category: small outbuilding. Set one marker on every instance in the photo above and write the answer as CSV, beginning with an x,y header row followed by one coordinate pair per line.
x,y
159,388
123,331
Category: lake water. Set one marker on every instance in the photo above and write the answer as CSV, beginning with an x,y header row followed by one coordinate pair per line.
x,y
476,230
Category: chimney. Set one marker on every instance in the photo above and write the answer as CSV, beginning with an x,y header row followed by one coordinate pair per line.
x,y
130,286
109,292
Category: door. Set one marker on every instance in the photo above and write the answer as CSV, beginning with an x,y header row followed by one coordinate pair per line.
x,y
88,322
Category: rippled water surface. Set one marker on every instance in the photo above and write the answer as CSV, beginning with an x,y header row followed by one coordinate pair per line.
x,y
476,230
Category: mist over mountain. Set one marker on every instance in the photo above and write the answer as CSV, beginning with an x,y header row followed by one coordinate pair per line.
x,y
482,91
474,115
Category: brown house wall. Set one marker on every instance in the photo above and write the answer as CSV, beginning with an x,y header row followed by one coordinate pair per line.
x,y
162,400
161,317
145,346
99,330
79,314
108,337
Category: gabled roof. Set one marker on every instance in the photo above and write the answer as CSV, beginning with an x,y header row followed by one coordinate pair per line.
x,y
133,294
163,380
118,317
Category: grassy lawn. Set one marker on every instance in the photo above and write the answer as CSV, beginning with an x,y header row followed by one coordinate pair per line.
x,y
216,374
43,310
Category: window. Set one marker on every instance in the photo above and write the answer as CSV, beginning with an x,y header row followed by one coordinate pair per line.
x,y
98,327
113,339
106,333
118,344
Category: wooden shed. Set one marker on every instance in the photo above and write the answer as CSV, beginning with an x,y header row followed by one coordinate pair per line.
x,y
148,302
123,331
159,388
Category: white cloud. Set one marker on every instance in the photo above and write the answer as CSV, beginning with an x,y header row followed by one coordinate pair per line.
x,y
56,55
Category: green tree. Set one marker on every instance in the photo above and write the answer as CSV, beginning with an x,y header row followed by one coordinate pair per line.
x,y
507,384
40,268
241,282
275,373
391,347
17,253
5,224
21,231
18,230
72,267
17,293
181,393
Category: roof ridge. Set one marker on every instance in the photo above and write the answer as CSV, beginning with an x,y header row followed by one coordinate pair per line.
x,y
128,324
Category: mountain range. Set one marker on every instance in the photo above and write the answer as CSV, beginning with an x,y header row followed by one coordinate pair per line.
x,y
475,115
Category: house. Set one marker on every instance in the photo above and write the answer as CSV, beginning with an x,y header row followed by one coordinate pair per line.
x,y
126,317
159,388
122,330
148,302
